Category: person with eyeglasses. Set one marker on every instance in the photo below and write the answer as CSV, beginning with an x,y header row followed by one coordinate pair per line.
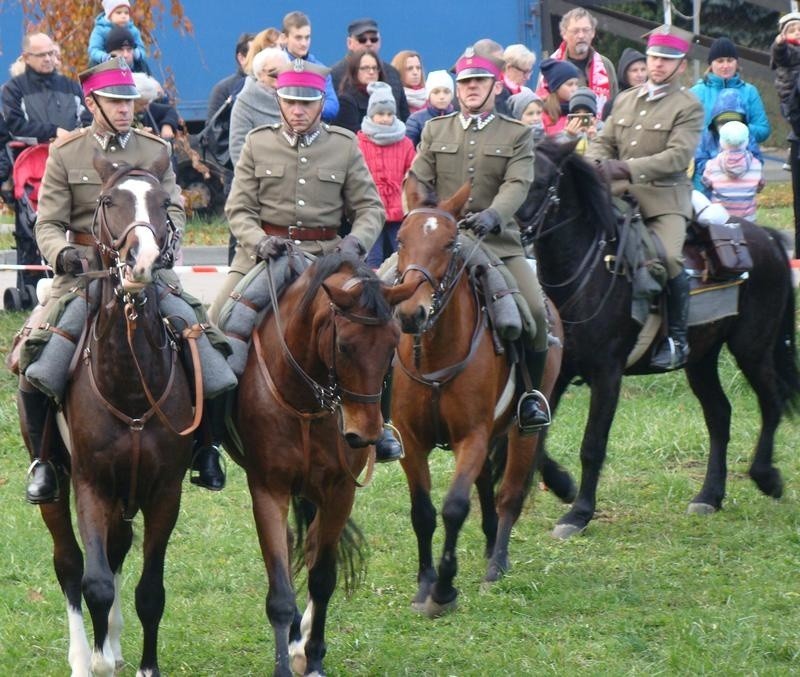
x,y
517,71
40,104
363,35
597,72
363,68
256,104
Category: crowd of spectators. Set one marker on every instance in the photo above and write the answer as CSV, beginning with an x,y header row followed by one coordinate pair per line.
x,y
575,91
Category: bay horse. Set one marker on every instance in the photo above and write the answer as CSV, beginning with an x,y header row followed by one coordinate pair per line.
x,y
452,387
125,406
569,215
308,414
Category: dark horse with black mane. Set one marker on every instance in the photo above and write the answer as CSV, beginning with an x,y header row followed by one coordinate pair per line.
x,y
308,413
128,410
570,217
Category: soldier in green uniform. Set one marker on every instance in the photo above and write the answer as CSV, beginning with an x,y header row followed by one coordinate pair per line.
x,y
648,141
293,183
67,202
495,154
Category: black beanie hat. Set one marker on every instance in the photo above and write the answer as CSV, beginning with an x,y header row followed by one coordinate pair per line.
x,y
722,47
119,37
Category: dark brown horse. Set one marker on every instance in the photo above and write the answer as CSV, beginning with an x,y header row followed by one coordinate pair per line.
x,y
451,387
569,215
308,412
127,453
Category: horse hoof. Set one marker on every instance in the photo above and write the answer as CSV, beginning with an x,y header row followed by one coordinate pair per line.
x,y
769,482
418,607
493,574
435,610
700,509
566,531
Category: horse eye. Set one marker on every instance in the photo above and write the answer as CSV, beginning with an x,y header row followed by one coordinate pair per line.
x,y
450,246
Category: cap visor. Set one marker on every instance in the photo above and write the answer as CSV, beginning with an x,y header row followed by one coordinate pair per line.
x,y
300,93
468,73
118,92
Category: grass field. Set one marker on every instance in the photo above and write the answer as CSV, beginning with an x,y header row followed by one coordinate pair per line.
x,y
647,590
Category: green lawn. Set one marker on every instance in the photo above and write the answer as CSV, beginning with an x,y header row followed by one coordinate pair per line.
x,y
647,590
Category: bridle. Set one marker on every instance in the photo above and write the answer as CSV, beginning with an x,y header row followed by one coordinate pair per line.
x,y
444,289
108,246
329,396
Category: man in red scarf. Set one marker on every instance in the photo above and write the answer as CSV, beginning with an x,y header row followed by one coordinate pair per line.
x,y
578,28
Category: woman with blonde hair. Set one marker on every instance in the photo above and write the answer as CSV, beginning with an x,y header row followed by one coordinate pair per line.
x,y
409,64
269,37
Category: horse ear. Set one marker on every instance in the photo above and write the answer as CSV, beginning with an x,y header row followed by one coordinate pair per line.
x,y
342,298
399,293
455,203
105,168
416,193
160,164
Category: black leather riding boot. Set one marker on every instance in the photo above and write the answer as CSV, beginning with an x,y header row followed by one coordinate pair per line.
x,y
42,475
388,447
533,411
674,351
207,471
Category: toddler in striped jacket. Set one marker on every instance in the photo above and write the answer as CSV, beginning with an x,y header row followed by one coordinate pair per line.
x,y
734,175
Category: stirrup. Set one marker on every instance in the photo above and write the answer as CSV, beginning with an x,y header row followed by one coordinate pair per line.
x,y
544,406
388,425
56,492
677,358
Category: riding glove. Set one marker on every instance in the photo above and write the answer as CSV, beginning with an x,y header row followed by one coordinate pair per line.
x,y
70,261
270,247
613,170
351,245
484,222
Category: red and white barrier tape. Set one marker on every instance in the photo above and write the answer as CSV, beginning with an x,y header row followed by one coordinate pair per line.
x,y
177,269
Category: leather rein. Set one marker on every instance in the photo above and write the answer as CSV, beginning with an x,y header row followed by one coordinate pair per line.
x,y
328,396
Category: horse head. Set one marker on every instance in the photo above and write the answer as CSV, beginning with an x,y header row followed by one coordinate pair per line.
x,y
427,253
355,341
131,226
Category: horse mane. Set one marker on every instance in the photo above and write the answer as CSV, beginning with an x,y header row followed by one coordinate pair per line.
x,y
595,194
372,298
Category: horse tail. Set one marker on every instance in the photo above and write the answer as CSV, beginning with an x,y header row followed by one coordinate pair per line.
x,y
351,557
784,351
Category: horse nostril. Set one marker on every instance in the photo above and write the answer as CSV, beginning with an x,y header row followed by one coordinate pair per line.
x,y
355,441
133,254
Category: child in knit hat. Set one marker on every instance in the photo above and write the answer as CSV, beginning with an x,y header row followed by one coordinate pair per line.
x,y
388,153
559,81
115,13
735,174
582,122
439,85
527,107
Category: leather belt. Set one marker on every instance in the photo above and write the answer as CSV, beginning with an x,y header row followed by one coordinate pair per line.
x,y
84,239
301,233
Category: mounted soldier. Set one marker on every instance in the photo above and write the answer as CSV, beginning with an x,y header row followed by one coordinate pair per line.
x,y
648,142
64,234
494,153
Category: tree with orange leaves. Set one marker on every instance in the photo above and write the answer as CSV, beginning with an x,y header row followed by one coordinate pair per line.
x,y
70,22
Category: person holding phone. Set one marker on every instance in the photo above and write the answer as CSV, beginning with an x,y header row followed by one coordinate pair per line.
x,y
582,123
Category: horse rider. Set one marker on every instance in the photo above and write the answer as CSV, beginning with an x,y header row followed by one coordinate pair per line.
x,y
648,142
293,183
67,201
495,154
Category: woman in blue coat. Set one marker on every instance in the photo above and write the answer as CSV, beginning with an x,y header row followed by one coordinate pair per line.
x,y
722,74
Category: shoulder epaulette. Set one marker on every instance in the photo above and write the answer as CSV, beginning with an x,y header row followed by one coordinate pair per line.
x,y
335,129
74,134
148,135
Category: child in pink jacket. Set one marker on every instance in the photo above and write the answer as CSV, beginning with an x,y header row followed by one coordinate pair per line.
x,y
388,153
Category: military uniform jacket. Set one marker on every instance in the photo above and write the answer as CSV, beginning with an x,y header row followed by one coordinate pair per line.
x,y
496,160
309,186
657,138
71,186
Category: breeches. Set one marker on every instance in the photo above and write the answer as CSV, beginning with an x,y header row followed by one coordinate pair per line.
x,y
531,291
671,230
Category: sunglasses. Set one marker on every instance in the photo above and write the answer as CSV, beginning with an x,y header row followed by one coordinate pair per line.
x,y
363,39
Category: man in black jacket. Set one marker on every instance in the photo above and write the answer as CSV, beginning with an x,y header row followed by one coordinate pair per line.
x,y
40,104
363,36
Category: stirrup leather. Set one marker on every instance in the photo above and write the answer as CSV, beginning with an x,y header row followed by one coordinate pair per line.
x,y
544,405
